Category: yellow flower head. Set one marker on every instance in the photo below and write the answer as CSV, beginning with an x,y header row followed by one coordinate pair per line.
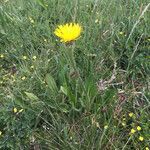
x,y
121,33
31,20
34,57
96,21
15,110
124,119
141,138
1,56
45,40
23,78
24,57
132,131
123,124
32,67
146,148
68,32
139,128
106,127
131,114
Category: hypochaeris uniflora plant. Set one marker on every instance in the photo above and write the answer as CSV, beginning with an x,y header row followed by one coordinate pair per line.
x,y
68,32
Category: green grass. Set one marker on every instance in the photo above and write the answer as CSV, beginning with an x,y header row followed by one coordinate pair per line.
x,y
85,107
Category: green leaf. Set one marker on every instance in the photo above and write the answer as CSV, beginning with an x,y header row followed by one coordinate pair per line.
x,y
41,2
67,91
31,96
51,84
2,30
109,95
64,90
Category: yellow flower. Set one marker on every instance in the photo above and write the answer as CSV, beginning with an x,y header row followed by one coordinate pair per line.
x,y
96,21
124,119
2,56
132,131
146,148
24,57
32,67
141,138
131,114
106,127
0,133
138,128
34,57
123,124
121,33
23,78
68,32
15,110
45,40
97,125
31,20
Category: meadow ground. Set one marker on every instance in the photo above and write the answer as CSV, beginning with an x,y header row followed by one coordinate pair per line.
x,y
90,94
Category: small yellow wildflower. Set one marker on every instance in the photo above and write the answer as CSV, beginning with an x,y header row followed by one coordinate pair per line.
x,y
97,125
43,82
0,133
124,119
106,127
31,20
24,57
96,21
139,128
123,124
146,148
141,138
45,40
68,32
1,56
23,78
15,110
121,33
131,114
32,67
34,57
132,131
